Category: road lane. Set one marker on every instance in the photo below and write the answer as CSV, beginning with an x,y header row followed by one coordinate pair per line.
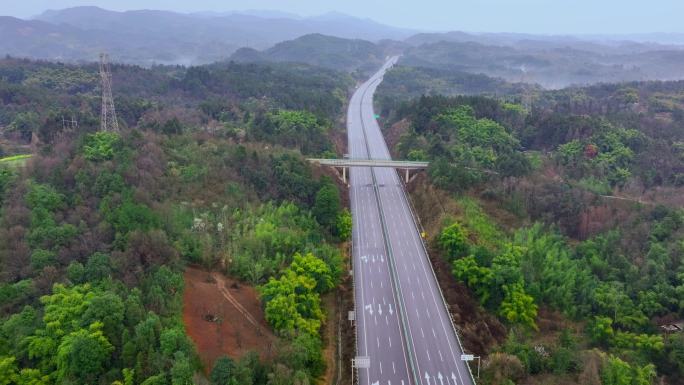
x,y
434,350
378,329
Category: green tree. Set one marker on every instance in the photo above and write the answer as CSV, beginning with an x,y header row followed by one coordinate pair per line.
x,y
644,344
134,311
564,360
173,340
128,215
644,375
600,330
44,197
327,206
181,371
280,375
41,258
551,276
480,145
223,372
26,122
107,308
33,377
301,377
310,266
569,152
76,272
417,155
518,307
674,355
506,266
249,370
344,225
616,372
300,129
305,354
9,374
172,126
454,240
101,145
75,321
15,330
98,267
128,375
477,278
291,303
611,299
82,354
45,232
163,287
7,178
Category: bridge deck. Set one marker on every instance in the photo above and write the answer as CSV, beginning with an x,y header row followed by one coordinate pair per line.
x,y
401,164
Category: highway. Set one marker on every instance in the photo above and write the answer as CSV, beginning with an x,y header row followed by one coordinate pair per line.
x,y
403,326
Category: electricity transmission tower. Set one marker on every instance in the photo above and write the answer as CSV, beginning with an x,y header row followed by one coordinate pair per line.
x,y
108,120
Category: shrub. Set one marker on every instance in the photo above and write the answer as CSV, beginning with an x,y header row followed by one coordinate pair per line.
x,y
101,146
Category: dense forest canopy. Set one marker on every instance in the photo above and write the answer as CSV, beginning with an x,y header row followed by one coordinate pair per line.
x,y
582,190
98,226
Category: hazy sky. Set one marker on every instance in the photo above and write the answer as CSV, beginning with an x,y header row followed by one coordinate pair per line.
x,y
537,16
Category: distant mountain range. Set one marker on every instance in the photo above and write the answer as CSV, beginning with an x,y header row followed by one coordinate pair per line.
x,y
593,43
549,62
147,37
340,42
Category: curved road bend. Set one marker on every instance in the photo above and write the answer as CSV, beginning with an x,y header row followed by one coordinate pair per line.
x,y
417,346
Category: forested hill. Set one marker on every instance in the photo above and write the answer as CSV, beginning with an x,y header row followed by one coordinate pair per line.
x,y
406,82
37,95
561,213
97,227
320,50
553,64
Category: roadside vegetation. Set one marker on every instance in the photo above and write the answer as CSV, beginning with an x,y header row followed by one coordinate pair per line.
x,y
565,222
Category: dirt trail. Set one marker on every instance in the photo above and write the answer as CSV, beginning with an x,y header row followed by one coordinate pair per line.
x,y
221,284
223,317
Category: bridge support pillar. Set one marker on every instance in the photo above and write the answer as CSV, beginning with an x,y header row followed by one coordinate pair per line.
x,y
344,174
407,176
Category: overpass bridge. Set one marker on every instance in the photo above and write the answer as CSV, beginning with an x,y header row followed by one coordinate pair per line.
x,y
405,165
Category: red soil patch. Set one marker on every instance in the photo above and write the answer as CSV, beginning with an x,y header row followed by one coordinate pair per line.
x,y
223,317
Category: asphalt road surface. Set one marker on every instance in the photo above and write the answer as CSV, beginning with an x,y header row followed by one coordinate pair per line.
x,y
403,326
